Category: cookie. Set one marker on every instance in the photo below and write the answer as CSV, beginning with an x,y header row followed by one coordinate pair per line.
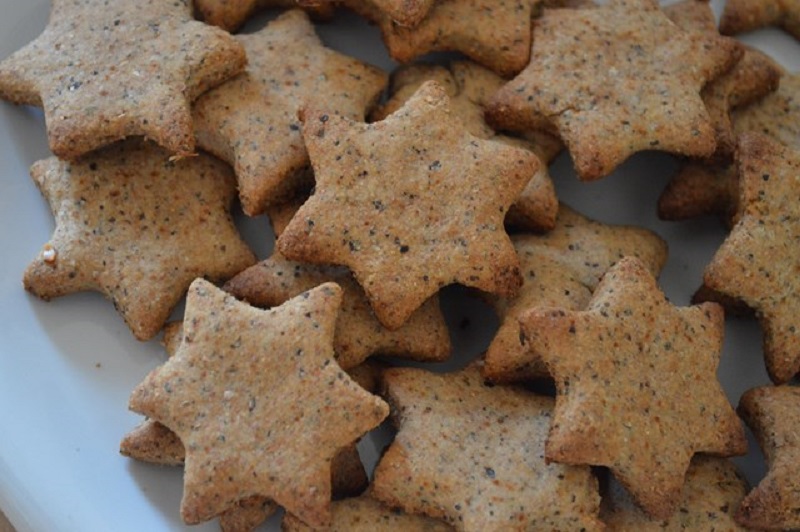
x,y
251,121
772,414
275,405
469,86
739,16
155,60
137,227
757,261
561,269
231,14
473,455
622,367
614,80
713,490
359,334
410,204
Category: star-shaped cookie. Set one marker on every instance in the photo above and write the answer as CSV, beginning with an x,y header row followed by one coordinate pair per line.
x,y
747,15
359,334
473,455
614,80
410,204
622,369
231,14
259,402
138,228
561,269
469,86
773,414
104,71
251,121
757,262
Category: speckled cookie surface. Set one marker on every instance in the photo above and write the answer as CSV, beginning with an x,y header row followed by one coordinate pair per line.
x,y
473,455
156,59
773,414
231,14
365,514
252,120
138,228
746,15
757,262
410,204
561,269
622,368
275,405
614,80
713,490
359,334
469,86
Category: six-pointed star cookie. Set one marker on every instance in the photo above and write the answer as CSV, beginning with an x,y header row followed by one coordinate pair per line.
x,y
561,269
259,402
138,228
105,70
469,86
473,455
623,368
747,15
359,334
410,204
773,413
251,121
757,263
615,80
231,14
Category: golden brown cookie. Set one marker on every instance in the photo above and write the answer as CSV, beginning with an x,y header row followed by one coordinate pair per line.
x,y
469,86
773,414
251,121
614,80
138,228
713,490
561,269
231,14
747,15
155,60
359,334
473,455
275,407
622,368
757,262
410,204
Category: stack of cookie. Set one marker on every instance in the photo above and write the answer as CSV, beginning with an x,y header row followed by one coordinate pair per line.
x,y
159,121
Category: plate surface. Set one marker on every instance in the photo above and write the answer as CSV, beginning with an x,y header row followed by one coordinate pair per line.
x,y
67,366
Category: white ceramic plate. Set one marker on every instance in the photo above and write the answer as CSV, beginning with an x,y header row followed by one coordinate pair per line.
x,y
67,367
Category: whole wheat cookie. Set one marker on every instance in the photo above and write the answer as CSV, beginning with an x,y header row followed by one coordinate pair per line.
x,y
473,455
104,71
758,260
231,14
410,204
561,269
621,368
746,15
713,490
614,80
138,228
469,86
275,407
773,414
251,121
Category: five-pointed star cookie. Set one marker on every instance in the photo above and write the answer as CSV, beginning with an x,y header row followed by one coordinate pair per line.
x,y
622,369
469,86
410,204
231,14
138,228
251,121
713,490
104,71
757,263
561,269
258,402
773,414
615,80
359,334
747,15
473,455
